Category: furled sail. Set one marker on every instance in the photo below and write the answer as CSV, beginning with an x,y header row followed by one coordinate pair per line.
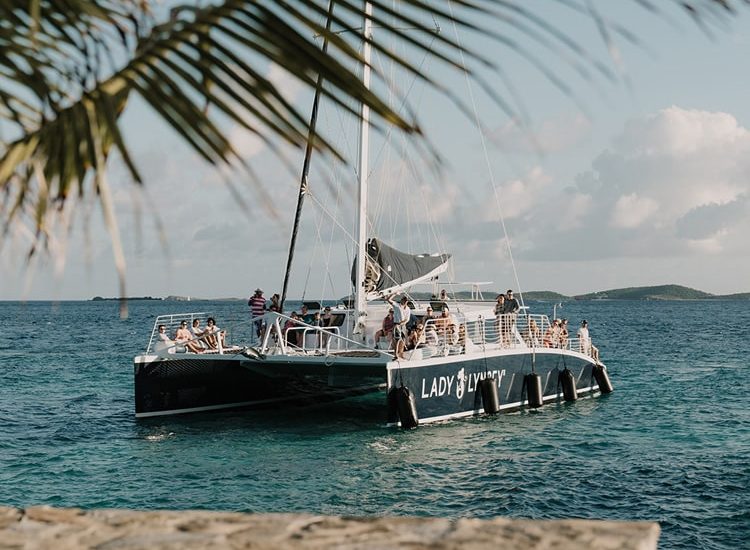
x,y
389,271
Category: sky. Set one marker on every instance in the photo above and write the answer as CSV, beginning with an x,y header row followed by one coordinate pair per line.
x,y
643,180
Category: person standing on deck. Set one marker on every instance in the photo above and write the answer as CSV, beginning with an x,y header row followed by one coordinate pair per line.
x,y
585,341
499,318
511,310
401,316
257,305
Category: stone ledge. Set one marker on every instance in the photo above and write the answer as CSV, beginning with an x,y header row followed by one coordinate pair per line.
x,y
71,528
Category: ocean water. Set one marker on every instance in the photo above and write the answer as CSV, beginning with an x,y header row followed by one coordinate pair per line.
x,y
671,444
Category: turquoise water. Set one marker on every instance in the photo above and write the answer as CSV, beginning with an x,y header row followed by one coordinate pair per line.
x,y
672,444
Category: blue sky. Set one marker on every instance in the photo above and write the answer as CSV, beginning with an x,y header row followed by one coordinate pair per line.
x,y
639,182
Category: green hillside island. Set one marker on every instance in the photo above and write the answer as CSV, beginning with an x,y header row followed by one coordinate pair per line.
x,y
663,292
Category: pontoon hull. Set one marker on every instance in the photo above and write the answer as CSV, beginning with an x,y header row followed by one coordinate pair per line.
x,y
447,387
174,385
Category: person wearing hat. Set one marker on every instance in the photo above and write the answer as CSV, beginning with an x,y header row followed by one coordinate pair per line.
x,y
257,305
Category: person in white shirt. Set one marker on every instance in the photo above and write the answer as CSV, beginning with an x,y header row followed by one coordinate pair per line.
x,y
586,346
401,316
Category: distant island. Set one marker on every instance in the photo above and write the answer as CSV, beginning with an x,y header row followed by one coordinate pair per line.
x,y
100,299
662,292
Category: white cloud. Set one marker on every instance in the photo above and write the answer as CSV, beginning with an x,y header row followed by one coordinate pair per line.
x,y
675,184
553,135
631,211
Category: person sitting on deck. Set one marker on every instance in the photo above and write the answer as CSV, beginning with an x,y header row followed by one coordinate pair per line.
x,y
444,323
213,334
534,334
185,338
563,339
165,343
306,316
198,333
417,337
552,336
386,329
293,337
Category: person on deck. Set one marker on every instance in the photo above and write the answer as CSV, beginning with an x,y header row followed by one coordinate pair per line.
x,y
386,329
500,318
564,333
511,311
275,303
511,304
585,341
293,337
327,317
165,343
306,316
163,336
185,338
213,334
551,335
401,317
257,305
417,337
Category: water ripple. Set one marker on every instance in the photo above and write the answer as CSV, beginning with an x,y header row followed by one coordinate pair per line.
x,y
672,444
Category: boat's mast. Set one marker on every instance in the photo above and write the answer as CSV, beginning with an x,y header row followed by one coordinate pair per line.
x,y
360,306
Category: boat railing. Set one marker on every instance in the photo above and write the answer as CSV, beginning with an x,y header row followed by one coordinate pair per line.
x,y
285,335
173,321
454,336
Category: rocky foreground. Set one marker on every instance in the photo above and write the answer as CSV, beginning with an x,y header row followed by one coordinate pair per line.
x,y
67,528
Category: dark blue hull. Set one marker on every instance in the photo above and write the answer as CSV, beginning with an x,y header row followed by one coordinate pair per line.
x,y
198,383
447,387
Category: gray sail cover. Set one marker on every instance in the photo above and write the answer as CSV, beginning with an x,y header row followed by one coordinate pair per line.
x,y
388,270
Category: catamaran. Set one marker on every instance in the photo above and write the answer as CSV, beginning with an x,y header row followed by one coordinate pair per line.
x,y
469,359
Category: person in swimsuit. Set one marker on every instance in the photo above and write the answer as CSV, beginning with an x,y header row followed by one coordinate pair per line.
x,y
185,338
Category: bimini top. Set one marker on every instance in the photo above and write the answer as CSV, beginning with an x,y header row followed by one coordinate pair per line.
x,y
389,271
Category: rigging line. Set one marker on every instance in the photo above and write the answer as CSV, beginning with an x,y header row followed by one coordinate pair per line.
x,y
338,185
320,205
486,156
314,252
389,132
303,187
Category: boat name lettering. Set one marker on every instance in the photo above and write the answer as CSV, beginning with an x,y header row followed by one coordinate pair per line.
x,y
439,386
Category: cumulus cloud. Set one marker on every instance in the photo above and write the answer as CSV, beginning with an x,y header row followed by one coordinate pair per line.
x,y
631,211
675,183
550,136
